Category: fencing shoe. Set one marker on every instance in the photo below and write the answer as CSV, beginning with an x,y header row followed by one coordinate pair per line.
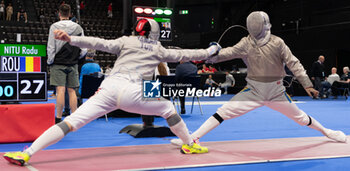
x,y
18,158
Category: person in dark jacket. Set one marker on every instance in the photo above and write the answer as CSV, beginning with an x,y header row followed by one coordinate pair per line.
x,y
184,71
317,74
63,61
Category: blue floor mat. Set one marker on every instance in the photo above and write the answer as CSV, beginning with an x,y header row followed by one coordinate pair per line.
x,y
262,123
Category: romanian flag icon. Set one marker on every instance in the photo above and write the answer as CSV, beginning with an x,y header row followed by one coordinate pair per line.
x,y
30,64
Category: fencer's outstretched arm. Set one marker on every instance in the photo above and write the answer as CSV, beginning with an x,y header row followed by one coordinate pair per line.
x,y
114,46
294,65
297,69
110,46
176,55
236,51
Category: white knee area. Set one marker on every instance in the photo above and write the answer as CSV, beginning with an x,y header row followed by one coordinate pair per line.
x,y
226,115
302,119
169,112
75,122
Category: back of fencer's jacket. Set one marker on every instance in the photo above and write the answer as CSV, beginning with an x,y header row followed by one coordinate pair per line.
x,y
60,52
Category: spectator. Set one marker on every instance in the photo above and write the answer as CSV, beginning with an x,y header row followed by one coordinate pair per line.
x,y
317,74
2,10
205,69
22,15
342,83
210,82
212,69
326,85
41,14
109,11
82,7
89,67
9,12
229,82
333,77
63,61
183,72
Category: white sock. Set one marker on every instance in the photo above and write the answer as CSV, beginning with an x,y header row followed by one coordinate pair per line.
x,y
49,137
206,127
317,126
181,131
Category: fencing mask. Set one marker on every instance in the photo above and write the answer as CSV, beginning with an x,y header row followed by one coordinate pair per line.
x,y
147,27
258,24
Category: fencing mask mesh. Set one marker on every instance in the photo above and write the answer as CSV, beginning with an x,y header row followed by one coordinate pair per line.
x,y
258,25
154,33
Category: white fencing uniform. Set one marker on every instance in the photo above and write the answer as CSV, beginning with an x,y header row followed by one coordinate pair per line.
x,y
265,56
258,94
137,58
264,78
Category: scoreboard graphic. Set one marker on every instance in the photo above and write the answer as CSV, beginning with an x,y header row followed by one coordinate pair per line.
x,y
21,78
23,86
163,16
20,64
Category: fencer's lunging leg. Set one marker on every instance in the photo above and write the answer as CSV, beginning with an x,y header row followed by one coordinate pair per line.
x,y
49,137
314,124
293,112
179,128
239,105
331,134
207,126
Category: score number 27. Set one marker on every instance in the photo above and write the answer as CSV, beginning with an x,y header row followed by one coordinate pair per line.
x,y
28,85
165,34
